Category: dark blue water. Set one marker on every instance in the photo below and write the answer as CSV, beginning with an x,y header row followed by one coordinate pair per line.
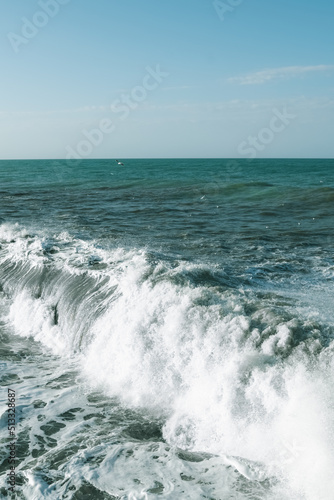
x,y
169,201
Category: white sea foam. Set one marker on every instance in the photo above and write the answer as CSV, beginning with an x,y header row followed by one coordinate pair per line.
x,y
10,232
229,383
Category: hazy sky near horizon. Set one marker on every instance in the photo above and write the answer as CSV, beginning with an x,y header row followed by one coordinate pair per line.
x,y
183,78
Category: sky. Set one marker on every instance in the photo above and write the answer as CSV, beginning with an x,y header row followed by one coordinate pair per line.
x,y
164,79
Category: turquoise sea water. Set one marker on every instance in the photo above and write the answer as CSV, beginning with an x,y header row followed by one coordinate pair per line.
x,y
168,328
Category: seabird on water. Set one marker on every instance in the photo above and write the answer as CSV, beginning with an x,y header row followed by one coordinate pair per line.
x,y
119,162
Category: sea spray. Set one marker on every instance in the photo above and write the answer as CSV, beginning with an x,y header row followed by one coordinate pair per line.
x,y
230,375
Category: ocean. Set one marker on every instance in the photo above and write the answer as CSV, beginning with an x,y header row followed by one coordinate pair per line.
x,y
167,329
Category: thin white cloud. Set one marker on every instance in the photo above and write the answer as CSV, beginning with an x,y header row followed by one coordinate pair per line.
x,y
232,109
267,75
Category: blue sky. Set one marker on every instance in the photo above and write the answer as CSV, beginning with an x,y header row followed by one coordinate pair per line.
x,y
176,78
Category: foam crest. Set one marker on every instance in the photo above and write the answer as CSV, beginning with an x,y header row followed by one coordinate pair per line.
x,y
232,374
9,232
